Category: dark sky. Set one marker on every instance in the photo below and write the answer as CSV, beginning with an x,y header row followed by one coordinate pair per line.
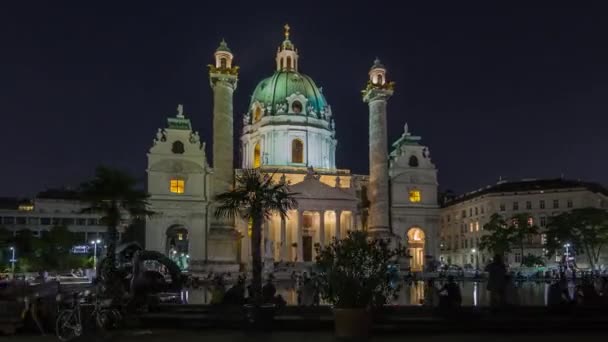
x,y
493,89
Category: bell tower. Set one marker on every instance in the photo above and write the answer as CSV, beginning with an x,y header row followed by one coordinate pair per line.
x,y
376,95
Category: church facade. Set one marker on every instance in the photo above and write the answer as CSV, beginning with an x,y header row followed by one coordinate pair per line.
x,y
288,131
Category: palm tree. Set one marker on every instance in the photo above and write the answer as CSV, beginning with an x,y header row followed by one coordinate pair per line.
x,y
256,197
113,195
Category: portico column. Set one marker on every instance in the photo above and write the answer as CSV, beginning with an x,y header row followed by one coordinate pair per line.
x,y
322,228
284,244
338,229
299,254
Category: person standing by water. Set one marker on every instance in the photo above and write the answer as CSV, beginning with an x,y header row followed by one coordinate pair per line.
x,y
431,294
497,272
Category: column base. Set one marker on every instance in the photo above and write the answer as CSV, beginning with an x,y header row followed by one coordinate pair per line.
x,y
222,246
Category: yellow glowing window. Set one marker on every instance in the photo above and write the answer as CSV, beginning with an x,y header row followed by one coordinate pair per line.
x,y
180,236
176,186
297,151
26,207
415,196
257,156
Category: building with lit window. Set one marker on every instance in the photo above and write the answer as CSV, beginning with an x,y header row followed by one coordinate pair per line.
x,y
288,130
462,218
48,209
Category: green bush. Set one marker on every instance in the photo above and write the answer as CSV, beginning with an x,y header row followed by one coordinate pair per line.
x,y
355,272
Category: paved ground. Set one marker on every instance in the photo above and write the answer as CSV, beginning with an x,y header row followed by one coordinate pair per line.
x,y
227,336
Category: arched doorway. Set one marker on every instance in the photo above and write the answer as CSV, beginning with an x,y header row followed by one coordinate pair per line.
x,y
415,244
177,246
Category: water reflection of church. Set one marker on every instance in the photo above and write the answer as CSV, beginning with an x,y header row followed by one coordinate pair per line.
x,y
289,131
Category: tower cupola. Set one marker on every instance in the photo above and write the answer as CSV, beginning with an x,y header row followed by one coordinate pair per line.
x,y
377,74
287,54
223,56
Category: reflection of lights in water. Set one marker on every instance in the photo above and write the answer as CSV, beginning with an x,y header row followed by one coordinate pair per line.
x,y
475,290
473,294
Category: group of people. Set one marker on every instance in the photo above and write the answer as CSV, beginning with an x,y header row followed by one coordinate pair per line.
x,y
503,291
307,289
240,294
447,297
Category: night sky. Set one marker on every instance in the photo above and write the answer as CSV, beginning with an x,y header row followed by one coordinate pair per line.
x,y
494,90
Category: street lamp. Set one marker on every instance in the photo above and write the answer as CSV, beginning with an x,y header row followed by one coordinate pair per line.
x,y
474,251
567,246
13,260
95,243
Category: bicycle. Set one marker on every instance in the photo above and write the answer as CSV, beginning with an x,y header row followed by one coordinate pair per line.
x,y
69,324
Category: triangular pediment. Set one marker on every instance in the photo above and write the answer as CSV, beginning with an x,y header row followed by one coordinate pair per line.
x,y
312,188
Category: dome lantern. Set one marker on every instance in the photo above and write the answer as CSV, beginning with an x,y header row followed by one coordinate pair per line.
x,y
287,54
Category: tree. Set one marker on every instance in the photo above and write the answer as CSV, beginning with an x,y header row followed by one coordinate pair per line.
x,y
521,230
503,236
54,248
585,229
256,197
113,195
6,237
498,239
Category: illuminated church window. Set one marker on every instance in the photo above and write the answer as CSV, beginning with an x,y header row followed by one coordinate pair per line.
x,y
296,107
177,147
415,196
288,62
379,79
257,156
297,151
223,63
177,186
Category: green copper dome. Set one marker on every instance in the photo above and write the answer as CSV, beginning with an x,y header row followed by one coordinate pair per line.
x,y
273,92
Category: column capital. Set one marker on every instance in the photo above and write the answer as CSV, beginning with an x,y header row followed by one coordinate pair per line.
x,y
226,80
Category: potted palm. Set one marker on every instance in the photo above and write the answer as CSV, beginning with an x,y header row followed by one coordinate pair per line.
x,y
355,276
256,198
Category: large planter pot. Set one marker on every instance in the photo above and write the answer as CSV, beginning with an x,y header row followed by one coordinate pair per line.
x,y
352,323
260,317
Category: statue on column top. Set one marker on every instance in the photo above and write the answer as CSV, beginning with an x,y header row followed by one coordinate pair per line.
x,y
180,110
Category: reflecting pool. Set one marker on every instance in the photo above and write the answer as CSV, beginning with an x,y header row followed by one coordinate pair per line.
x,y
411,293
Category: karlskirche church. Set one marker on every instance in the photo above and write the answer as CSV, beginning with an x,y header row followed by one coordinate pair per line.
x,y
289,131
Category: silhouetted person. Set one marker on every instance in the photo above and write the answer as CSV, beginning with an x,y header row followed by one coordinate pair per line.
x,y
268,291
431,294
452,298
558,295
497,272
587,293
236,294
308,292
